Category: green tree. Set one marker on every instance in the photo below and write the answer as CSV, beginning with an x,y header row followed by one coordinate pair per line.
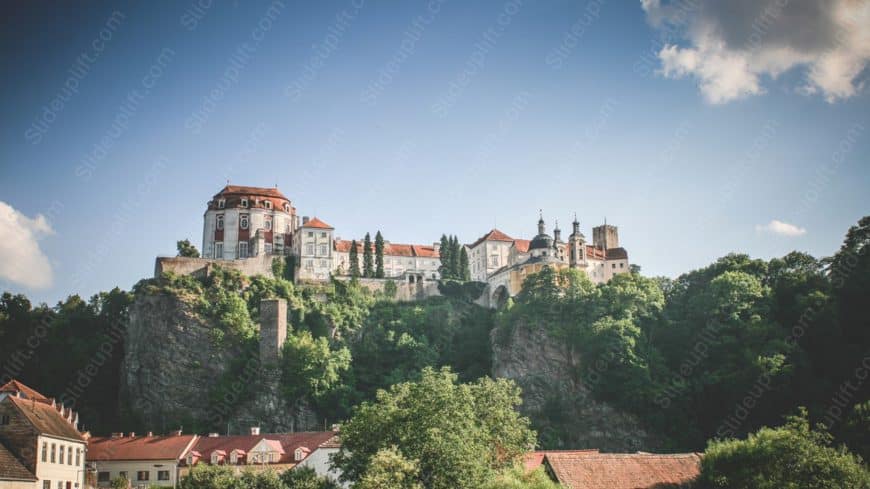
x,y
791,456
460,433
204,476
120,483
464,271
305,478
519,478
368,262
444,254
454,258
185,248
354,260
388,469
379,255
310,367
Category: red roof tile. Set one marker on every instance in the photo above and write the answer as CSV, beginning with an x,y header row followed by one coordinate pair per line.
x,y
623,471
16,387
45,418
288,442
390,249
533,460
522,245
170,447
425,251
11,468
244,190
494,235
317,223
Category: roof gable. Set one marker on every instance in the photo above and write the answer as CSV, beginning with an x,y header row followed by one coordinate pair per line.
x,y
16,387
45,418
493,235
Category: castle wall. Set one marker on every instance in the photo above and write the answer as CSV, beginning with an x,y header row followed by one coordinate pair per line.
x,y
200,267
404,291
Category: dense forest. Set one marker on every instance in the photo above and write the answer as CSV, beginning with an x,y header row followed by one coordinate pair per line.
x,y
718,352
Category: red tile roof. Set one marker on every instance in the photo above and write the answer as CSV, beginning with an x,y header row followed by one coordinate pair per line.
x,y
522,245
390,249
45,418
169,447
494,235
289,442
617,254
317,223
16,387
623,471
533,460
244,190
11,468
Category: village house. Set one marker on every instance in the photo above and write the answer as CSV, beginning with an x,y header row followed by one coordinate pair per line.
x,y
275,451
40,444
142,460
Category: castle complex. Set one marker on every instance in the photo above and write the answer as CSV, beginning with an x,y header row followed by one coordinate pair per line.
x,y
244,223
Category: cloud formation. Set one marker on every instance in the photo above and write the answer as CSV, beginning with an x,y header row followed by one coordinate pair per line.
x,y
781,228
23,261
732,47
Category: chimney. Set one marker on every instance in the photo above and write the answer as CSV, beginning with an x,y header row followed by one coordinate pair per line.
x,y
255,430
273,330
117,435
213,435
150,433
175,433
304,220
132,434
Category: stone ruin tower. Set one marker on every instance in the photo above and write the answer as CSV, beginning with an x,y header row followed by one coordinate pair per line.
x,y
273,330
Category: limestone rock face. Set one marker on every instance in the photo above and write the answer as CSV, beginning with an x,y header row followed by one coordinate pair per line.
x,y
548,371
172,366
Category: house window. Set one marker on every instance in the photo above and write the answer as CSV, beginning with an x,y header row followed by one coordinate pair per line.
x,y
268,204
613,265
103,477
323,234
163,475
220,221
243,221
268,248
219,250
44,452
310,234
4,420
46,484
142,475
61,453
268,224
243,250
122,474
297,455
53,453
245,203
309,249
622,265
309,264
69,456
59,484
190,460
493,261
222,203
323,250
79,458
214,459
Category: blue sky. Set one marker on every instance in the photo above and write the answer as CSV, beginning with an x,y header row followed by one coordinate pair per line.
x,y
476,116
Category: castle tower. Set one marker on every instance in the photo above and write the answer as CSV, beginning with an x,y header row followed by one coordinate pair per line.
x,y
558,244
605,236
273,330
576,246
541,226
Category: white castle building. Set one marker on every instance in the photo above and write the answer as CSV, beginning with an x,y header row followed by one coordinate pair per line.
x,y
244,225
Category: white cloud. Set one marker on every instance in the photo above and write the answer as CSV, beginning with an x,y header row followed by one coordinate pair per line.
x,y
781,228
733,47
23,262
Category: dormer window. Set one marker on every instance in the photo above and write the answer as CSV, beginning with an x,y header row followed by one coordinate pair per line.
x,y
190,460
214,459
234,458
268,204
244,203
299,453
221,203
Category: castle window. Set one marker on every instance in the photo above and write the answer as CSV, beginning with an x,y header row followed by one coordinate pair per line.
x,y
310,234
613,265
69,456
243,221
219,250
287,207
245,203
220,221
622,265
268,248
4,420
243,250
323,250
222,203
309,264
268,224
268,204
78,456
47,484
323,234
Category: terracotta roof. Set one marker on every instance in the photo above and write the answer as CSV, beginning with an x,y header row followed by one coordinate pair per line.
x,y
533,460
11,468
494,235
390,249
170,447
522,245
45,418
244,190
288,442
317,223
617,254
16,387
623,471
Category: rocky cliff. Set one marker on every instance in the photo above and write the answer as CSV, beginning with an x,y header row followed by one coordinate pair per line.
x,y
176,372
558,401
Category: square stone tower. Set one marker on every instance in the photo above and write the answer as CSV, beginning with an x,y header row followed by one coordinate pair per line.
x,y
605,236
273,330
